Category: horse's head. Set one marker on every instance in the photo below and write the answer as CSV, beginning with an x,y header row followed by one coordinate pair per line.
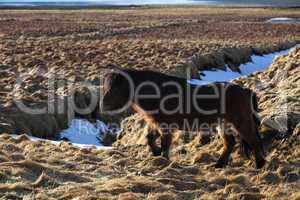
x,y
116,92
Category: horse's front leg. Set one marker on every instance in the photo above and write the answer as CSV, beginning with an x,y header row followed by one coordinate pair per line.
x,y
166,142
151,140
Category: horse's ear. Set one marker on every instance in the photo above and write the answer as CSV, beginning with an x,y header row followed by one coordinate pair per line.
x,y
111,76
114,68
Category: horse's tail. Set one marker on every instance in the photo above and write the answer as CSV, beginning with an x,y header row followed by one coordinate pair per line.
x,y
245,147
255,108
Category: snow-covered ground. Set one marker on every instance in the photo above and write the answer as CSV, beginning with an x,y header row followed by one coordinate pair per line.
x,y
84,133
283,20
84,146
81,131
259,63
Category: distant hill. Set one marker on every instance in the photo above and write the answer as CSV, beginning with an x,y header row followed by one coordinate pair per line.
x,y
92,3
259,2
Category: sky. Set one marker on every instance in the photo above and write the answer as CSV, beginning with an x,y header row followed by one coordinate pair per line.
x,y
283,2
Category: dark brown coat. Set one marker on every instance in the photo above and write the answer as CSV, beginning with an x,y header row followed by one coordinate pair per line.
x,y
233,105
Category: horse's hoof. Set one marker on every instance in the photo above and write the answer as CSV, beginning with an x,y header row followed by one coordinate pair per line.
x,y
220,164
260,163
156,153
165,155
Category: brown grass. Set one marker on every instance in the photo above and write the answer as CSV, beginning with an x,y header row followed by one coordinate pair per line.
x,y
59,172
80,45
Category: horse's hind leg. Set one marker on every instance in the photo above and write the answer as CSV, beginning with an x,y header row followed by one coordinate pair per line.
x,y
151,140
259,159
259,150
249,135
166,142
228,142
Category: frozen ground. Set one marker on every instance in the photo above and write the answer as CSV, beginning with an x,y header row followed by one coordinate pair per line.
x,y
82,146
259,63
283,20
83,132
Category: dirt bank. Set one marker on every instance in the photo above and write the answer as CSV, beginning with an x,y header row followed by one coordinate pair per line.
x,y
234,57
280,112
35,92
278,96
36,45
278,92
44,171
46,119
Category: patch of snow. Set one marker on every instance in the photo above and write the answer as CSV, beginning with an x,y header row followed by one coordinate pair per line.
x,y
283,20
82,146
89,146
82,134
102,126
198,82
82,131
259,63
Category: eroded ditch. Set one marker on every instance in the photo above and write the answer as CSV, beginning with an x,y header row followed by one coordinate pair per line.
x,y
223,65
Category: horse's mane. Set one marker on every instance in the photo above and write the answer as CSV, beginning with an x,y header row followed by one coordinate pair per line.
x,y
152,75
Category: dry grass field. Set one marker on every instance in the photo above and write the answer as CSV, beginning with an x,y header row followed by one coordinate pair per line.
x,y
80,45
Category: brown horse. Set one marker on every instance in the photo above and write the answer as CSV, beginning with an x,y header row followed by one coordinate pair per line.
x,y
169,103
